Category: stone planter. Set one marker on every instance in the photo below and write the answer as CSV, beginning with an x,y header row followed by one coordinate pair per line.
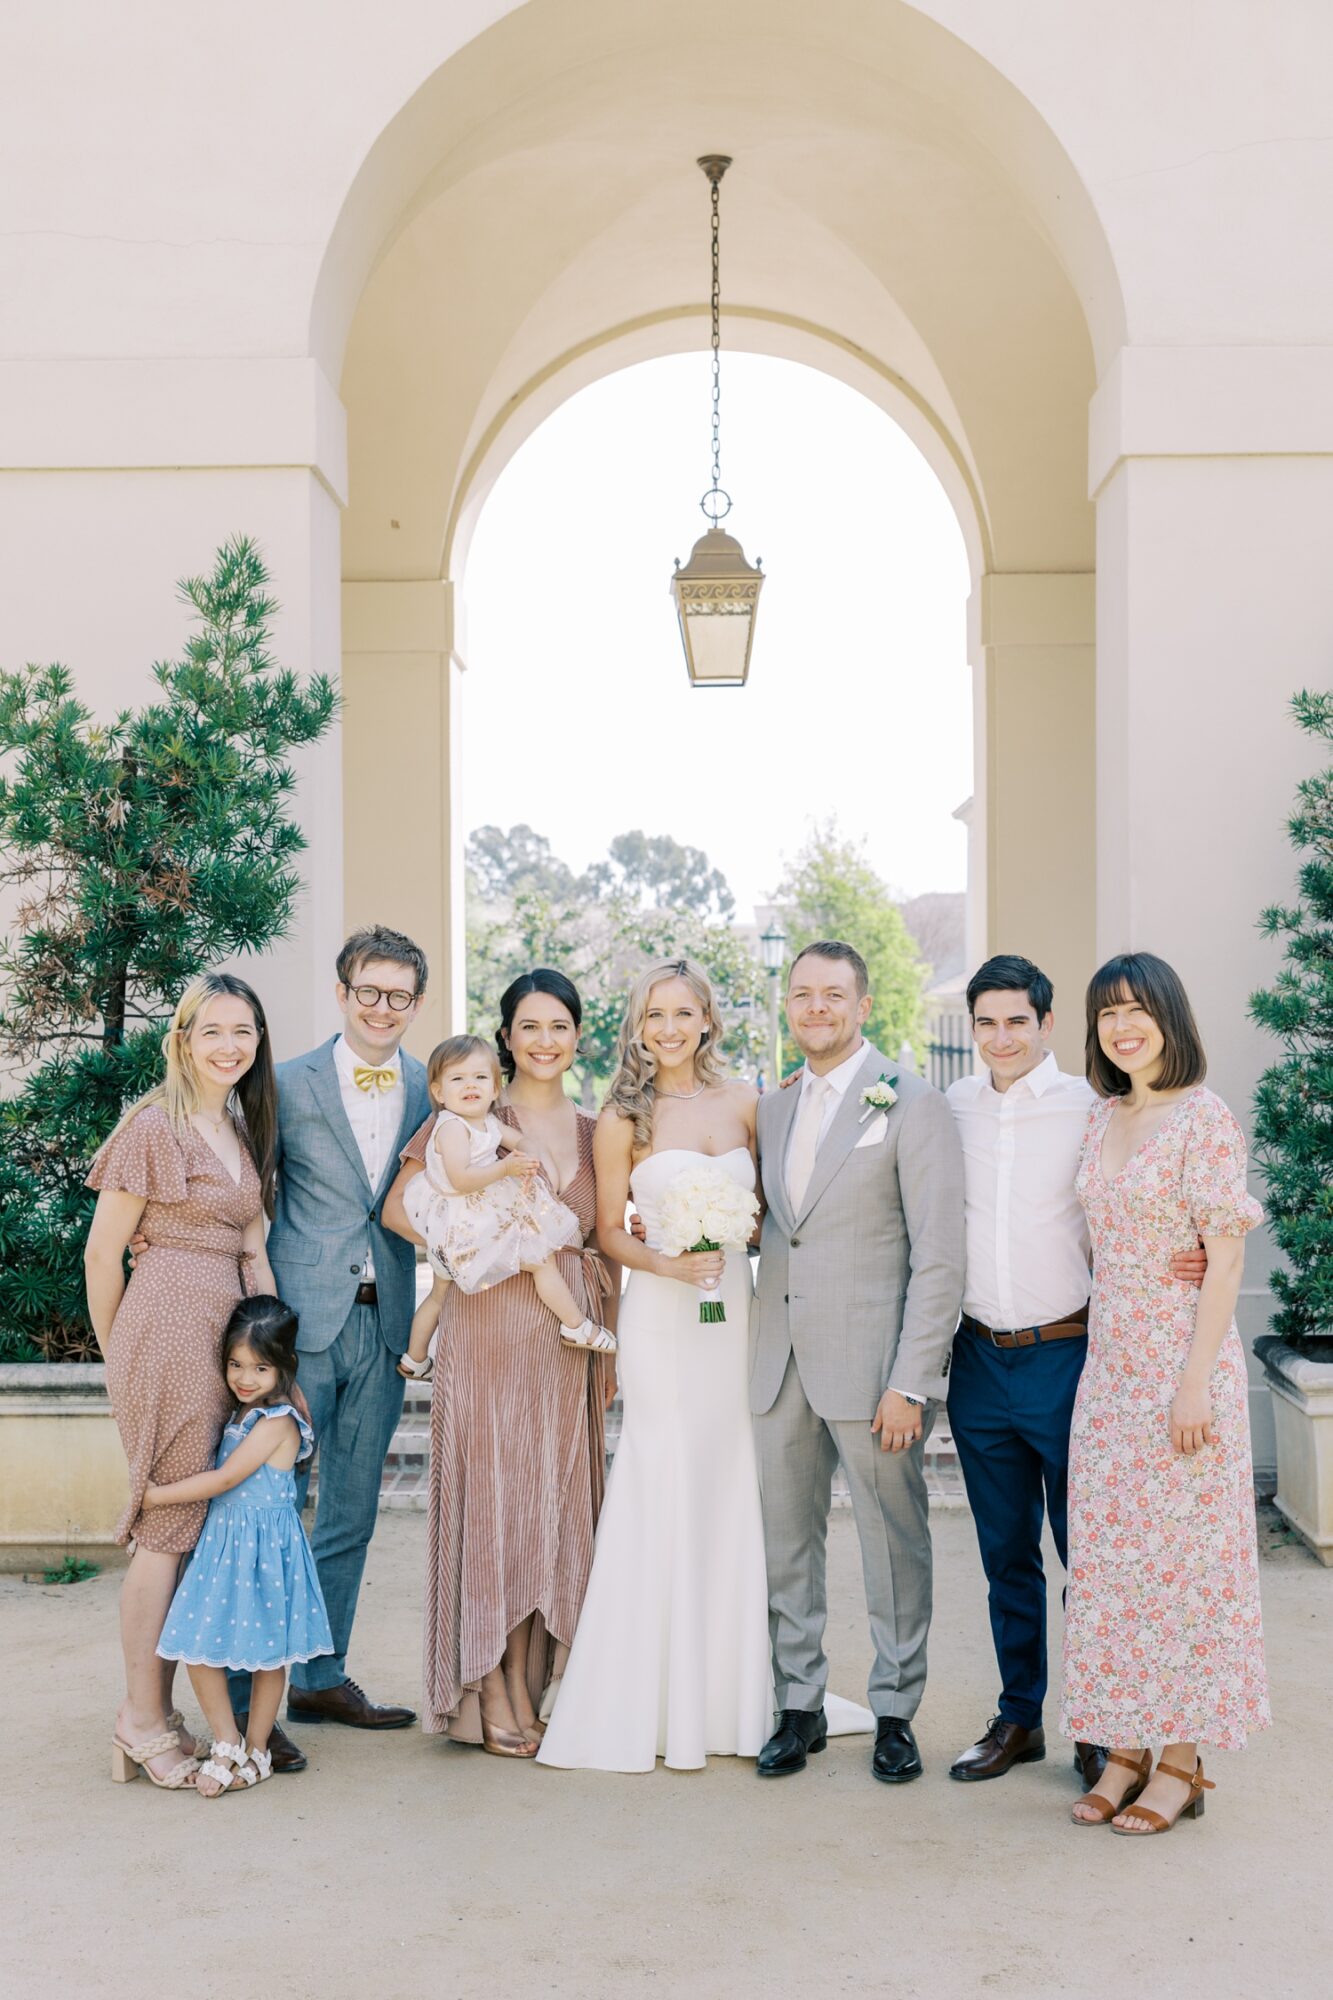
x,y
1303,1417
63,1479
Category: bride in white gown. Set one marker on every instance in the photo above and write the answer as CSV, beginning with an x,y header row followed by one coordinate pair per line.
x,y
671,1655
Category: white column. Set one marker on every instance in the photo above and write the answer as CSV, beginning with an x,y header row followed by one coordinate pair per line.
x,y
403,853
1035,632
1213,472
119,478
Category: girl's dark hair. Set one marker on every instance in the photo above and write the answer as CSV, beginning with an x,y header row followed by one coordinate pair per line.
x,y
542,979
1157,989
267,1325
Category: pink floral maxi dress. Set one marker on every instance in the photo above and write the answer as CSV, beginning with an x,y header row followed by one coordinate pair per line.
x,y
1163,1634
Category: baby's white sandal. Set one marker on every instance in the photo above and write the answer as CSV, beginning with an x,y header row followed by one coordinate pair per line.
x,y
591,1337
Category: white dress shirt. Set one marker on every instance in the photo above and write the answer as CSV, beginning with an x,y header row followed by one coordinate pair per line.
x,y
838,1080
1027,1237
374,1116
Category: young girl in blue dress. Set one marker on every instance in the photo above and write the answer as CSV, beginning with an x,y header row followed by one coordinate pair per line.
x,y
249,1597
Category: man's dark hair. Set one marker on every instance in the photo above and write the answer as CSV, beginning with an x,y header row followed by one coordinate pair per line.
x,y
833,948
1008,973
378,941
1157,988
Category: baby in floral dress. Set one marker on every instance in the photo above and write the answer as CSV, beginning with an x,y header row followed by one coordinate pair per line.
x,y
482,1206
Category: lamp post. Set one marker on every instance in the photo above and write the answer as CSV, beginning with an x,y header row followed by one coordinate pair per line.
x,y
773,950
717,590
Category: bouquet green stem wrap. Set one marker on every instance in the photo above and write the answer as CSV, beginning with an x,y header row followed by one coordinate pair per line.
x,y
711,1310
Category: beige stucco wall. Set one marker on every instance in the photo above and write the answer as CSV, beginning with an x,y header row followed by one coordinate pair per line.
x,y
319,293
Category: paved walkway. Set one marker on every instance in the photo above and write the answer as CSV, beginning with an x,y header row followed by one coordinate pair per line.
x,y
399,1868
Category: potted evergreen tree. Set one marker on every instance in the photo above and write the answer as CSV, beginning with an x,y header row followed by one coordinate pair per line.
x,y
1293,1126
134,854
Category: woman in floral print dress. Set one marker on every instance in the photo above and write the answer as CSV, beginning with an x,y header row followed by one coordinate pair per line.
x,y
1163,1636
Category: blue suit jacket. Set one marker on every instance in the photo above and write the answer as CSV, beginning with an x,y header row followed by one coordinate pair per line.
x,y
326,1207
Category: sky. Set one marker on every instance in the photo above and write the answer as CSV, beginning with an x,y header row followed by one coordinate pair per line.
x,y
577,713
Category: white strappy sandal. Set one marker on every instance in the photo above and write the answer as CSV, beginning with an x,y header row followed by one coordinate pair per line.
x,y
419,1371
229,1762
593,1339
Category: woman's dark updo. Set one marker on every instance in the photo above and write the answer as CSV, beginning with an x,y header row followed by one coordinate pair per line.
x,y
542,979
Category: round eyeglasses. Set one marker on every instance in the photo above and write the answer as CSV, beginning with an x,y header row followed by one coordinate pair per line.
x,y
370,996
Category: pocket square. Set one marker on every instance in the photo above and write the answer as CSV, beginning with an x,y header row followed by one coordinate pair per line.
x,y
874,1132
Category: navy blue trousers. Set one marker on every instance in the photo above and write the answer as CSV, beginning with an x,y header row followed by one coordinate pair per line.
x,y
1009,1411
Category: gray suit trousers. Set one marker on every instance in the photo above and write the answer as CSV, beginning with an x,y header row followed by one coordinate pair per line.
x,y
797,1452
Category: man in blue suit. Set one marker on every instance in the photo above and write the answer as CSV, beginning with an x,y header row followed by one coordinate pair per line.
x,y
344,1111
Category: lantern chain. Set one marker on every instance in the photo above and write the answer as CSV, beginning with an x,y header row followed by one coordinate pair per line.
x,y
717,344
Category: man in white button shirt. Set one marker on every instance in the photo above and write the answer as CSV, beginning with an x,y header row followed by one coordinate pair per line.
x,y
1023,1339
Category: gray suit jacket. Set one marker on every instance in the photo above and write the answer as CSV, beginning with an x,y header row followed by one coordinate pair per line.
x,y
326,1207
864,1286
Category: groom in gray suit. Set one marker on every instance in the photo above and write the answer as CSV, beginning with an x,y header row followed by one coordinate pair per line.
x,y
857,1301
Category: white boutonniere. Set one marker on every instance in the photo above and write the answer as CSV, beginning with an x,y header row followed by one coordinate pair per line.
x,y
879,1096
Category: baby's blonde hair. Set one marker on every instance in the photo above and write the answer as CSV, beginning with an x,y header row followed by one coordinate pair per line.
x,y
456,1049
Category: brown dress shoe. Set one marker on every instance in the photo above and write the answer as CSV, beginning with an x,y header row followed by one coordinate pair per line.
x,y
1004,1744
286,1755
1090,1763
345,1703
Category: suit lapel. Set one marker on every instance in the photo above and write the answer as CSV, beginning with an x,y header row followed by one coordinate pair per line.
x,y
774,1160
328,1095
842,1134
412,1116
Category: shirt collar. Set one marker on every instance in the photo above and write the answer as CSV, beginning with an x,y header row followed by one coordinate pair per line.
x,y
1038,1080
348,1061
839,1078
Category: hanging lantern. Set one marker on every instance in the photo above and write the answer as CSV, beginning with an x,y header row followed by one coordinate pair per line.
x,y
717,590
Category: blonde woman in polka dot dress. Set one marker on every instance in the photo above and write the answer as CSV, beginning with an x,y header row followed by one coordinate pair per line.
x,y
190,1171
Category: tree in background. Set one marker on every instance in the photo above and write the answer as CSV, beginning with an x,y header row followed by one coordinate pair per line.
x,y
600,930
1293,1104
830,890
660,874
137,853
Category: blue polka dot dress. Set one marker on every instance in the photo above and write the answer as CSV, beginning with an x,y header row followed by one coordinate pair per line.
x,y
250,1596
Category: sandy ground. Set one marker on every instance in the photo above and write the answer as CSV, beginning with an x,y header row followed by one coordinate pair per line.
x,y
400,1866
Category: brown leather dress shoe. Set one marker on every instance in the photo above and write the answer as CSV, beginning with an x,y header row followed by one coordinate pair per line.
x,y
287,1756
1090,1763
345,1703
1004,1744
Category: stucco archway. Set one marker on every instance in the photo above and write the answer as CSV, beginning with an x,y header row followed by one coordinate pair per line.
x,y
899,216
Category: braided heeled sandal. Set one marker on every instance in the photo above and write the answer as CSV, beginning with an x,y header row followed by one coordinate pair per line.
x,y
234,1768
1106,1812
1193,1806
128,1759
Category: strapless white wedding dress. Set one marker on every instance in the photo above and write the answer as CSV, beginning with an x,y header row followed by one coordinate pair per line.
x,y
671,1656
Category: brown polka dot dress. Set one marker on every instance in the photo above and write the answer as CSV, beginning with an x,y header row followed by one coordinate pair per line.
x,y
166,1388
516,1472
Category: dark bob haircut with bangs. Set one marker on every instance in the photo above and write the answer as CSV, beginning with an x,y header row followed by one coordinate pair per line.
x,y
1157,989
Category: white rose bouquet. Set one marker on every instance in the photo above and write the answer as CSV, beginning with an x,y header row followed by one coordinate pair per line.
x,y
703,1208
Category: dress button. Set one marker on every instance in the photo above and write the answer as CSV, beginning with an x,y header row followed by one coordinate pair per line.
x,y
355,1268
795,1242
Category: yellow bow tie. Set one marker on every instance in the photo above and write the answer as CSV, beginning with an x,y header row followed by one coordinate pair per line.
x,y
366,1078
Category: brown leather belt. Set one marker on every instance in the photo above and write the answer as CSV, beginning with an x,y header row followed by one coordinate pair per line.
x,y
366,1295
1072,1328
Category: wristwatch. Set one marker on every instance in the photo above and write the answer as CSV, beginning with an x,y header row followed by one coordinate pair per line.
x,y
917,1402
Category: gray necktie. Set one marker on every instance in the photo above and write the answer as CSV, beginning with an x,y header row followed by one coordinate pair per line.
x,y
805,1140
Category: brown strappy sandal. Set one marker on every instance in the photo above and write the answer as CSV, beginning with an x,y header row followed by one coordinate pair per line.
x,y
1193,1805
1106,1812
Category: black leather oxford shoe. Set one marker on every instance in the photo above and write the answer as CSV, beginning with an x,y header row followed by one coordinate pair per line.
x,y
896,1757
798,1736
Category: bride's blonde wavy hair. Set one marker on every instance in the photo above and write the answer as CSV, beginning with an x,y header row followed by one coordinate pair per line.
x,y
632,1089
